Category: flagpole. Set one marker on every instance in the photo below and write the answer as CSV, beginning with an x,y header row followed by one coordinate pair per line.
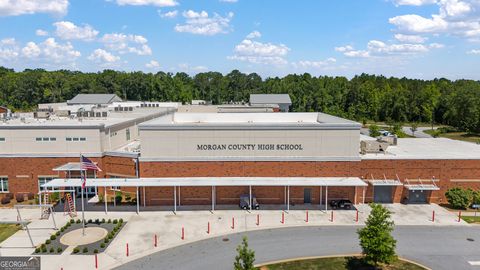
x,y
83,210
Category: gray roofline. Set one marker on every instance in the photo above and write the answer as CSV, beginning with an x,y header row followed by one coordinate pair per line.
x,y
242,126
246,158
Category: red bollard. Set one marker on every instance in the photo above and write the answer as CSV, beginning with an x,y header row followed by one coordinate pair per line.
x,y
306,218
233,223
433,216
356,217
155,241
183,233
258,219
127,250
459,215
96,262
208,228
283,217
331,218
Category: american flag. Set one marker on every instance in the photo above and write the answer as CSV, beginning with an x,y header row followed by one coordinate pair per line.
x,y
85,165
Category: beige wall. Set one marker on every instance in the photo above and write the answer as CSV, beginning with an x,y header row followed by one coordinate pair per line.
x,y
22,141
183,144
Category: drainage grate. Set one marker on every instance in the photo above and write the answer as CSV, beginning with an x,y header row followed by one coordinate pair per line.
x,y
470,239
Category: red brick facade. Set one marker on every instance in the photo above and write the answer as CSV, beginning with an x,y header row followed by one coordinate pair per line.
x,y
23,176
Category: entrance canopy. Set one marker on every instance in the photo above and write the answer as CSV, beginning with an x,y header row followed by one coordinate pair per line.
x,y
421,184
385,181
209,181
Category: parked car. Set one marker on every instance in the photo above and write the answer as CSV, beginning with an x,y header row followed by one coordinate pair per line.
x,y
385,132
245,202
341,204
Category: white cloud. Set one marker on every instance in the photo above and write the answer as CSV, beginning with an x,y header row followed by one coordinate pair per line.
x,y
414,2
454,17
260,53
410,38
315,64
21,7
157,3
126,43
50,51
229,1
102,56
200,23
379,48
41,32
474,51
169,14
152,64
69,31
8,49
184,67
254,34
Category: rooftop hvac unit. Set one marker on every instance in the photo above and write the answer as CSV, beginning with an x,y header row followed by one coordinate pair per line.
x,y
142,105
130,109
116,109
98,114
157,105
373,147
104,114
92,114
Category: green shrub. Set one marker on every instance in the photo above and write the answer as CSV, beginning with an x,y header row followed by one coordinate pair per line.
x,y
97,221
110,236
44,249
95,251
76,250
48,241
109,221
374,131
52,250
89,221
62,229
37,250
79,221
42,246
53,237
72,221
59,250
106,240
115,221
459,198
85,250
102,245
120,220
103,220
57,233
118,199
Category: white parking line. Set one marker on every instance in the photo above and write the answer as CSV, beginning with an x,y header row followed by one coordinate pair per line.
x,y
476,263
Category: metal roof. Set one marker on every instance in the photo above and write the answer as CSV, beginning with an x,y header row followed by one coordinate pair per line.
x,y
94,99
209,181
270,99
385,182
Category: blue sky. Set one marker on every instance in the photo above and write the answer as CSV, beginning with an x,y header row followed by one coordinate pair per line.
x,y
412,38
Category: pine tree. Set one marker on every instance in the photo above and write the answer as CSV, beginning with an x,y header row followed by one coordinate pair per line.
x,y
378,245
245,258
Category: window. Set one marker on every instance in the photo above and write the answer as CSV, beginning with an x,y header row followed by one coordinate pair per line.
x,y
3,184
44,180
75,139
52,139
2,139
82,139
38,139
46,139
128,134
68,139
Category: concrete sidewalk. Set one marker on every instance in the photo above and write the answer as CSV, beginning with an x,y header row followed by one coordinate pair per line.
x,y
140,230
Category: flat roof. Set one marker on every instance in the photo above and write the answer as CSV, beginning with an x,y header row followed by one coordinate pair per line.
x,y
113,119
209,181
428,148
94,99
253,120
270,99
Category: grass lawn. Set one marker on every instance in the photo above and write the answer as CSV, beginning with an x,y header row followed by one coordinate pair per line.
x,y
337,263
7,230
471,219
461,136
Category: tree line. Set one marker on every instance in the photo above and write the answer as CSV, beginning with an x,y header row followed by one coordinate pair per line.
x,y
363,97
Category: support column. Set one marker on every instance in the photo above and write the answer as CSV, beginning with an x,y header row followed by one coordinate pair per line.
x,y
179,198
213,198
326,198
288,198
175,199
320,199
363,195
250,196
138,203
105,199
144,199
355,198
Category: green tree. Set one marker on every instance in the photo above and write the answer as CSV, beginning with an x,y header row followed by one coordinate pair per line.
x,y
414,128
245,257
459,198
374,130
378,245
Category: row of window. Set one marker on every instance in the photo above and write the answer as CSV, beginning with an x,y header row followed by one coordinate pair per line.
x,y
75,139
2,139
53,139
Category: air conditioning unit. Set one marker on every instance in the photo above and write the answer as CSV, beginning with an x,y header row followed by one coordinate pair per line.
x,y
373,147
